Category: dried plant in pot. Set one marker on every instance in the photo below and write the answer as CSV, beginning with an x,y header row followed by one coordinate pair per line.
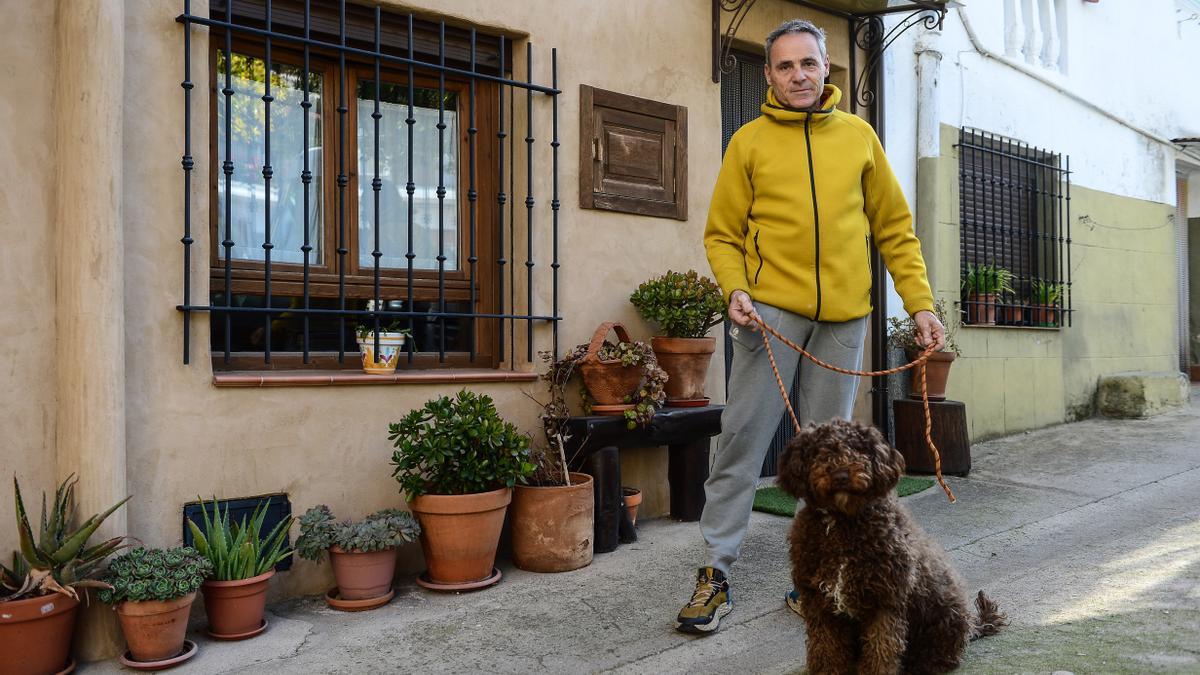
x,y
38,593
457,460
902,334
244,559
684,306
152,591
981,285
362,554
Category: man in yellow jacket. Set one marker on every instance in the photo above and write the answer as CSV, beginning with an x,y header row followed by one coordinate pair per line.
x,y
803,191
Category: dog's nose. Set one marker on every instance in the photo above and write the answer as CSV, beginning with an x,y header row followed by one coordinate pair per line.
x,y
841,476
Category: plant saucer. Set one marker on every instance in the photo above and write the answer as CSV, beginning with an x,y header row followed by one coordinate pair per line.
x,y
189,650
424,582
615,409
333,600
237,636
70,668
687,402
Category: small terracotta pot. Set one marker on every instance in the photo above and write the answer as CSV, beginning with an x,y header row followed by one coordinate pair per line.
x,y
35,634
981,309
1045,315
460,533
552,527
937,372
633,498
154,629
686,362
362,576
235,608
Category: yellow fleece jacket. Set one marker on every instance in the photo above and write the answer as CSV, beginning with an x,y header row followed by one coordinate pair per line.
x,y
798,200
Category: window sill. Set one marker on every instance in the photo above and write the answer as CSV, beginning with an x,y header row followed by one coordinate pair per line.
x,y
308,378
974,326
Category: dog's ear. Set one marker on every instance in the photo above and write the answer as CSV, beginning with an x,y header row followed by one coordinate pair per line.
x,y
888,462
793,463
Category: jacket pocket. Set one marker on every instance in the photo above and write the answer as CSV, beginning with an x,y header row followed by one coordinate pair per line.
x,y
745,338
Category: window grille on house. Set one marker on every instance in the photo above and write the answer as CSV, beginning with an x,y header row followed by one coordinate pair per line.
x,y
375,159
1015,229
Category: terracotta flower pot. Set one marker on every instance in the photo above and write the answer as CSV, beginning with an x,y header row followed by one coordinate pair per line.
x,y
35,634
981,309
686,362
552,527
235,608
609,382
362,576
937,372
633,499
154,629
1045,315
460,533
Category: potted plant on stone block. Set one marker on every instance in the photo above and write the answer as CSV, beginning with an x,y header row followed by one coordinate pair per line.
x,y
457,460
1044,301
684,306
380,341
152,591
981,284
902,334
243,560
38,596
362,554
619,378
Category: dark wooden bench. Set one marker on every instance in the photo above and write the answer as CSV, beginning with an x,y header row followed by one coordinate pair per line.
x,y
594,449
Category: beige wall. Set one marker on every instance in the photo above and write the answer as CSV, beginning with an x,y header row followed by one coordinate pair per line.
x,y
27,209
1123,294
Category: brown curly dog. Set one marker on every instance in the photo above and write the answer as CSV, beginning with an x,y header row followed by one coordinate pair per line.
x,y
877,594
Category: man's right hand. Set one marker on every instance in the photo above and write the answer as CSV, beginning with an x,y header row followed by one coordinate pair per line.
x,y
741,310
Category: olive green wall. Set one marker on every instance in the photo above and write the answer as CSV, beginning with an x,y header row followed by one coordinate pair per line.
x,y
1122,262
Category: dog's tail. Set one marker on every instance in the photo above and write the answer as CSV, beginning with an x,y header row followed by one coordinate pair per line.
x,y
988,618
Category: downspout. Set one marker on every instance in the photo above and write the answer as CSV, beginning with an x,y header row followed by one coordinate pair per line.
x,y
929,64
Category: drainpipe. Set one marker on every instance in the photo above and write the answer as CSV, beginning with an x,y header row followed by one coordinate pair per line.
x,y
929,64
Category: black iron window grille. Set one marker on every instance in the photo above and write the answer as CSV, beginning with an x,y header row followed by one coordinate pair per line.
x,y
1015,244
363,176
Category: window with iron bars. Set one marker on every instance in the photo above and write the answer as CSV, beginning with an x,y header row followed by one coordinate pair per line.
x,y
1015,243
364,180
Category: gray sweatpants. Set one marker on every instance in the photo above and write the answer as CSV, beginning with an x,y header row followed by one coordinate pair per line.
x,y
754,407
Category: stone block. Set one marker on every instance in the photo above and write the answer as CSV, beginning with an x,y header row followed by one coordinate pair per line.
x,y
1141,394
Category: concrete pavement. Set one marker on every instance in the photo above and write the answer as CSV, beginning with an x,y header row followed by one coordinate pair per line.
x,y
1086,534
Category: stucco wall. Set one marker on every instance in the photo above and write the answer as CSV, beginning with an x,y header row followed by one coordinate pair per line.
x,y
27,207
1122,259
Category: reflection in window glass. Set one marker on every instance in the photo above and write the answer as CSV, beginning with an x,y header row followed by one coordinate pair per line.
x,y
393,175
247,150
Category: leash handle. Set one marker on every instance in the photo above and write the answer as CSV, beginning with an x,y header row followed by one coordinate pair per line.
x,y
920,360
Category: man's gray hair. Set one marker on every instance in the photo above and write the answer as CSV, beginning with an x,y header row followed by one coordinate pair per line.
x,y
795,26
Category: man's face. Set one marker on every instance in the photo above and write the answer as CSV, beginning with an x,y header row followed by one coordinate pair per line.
x,y
797,70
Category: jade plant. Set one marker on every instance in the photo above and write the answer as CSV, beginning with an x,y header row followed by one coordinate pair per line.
x,y
682,304
458,446
380,531
239,550
58,559
155,574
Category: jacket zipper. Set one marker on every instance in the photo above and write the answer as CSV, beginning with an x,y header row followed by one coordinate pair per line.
x,y
758,253
812,183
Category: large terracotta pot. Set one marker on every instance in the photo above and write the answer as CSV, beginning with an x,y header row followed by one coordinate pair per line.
x,y
235,608
937,372
552,527
686,362
981,309
154,629
35,634
362,576
460,533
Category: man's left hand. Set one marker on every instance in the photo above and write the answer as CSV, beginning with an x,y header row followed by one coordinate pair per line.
x,y
929,330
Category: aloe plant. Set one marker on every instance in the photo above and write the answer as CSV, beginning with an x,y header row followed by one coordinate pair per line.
x,y
59,559
237,549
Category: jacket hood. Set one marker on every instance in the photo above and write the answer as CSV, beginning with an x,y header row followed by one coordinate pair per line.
x,y
781,113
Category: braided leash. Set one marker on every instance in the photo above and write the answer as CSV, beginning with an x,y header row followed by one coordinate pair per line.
x,y
937,457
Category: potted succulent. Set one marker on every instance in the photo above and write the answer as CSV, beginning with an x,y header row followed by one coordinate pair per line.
x,y
1044,298
243,561
362,554
457,460
981,284
685,306
380,342
619,378
152,591
38,596
902,334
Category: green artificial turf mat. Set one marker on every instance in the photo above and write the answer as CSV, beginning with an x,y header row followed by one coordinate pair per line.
x,y
776,501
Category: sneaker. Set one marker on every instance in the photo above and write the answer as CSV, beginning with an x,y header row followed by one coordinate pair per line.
x,y
793,601
709,603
